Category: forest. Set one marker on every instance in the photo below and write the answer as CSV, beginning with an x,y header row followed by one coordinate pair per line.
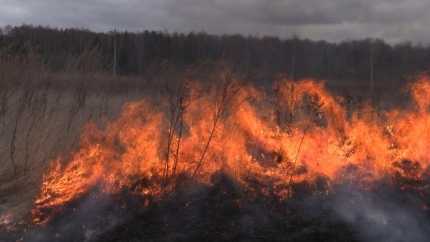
x,y
148,53
158,136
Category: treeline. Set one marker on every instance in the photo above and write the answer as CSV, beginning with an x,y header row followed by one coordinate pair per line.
x,y
261,58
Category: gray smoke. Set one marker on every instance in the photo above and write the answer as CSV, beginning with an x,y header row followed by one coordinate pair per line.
x,y
381,217
92,216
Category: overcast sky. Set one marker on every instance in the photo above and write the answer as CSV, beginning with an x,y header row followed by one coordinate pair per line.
x,y
332,20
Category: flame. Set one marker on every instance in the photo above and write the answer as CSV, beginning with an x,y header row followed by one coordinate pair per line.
x,y
298,133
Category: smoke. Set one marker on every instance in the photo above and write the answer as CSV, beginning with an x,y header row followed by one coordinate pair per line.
x,y
197,210
89,217
381,216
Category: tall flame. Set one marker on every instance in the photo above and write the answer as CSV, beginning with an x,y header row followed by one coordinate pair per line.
x,y
299,132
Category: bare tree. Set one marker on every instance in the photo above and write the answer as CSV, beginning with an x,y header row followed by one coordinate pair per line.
x,y
177,106
226,91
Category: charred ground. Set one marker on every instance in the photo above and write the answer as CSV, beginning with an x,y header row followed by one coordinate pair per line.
x,y
394,209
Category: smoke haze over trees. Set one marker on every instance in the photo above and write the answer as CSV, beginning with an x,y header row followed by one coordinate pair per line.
x,y
257,58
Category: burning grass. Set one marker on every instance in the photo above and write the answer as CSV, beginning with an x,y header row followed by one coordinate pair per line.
x,y
237,129
233,161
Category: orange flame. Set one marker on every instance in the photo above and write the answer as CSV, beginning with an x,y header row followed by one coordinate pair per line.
x,y
300,132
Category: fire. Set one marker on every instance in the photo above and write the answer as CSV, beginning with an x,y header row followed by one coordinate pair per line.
x,y
298,133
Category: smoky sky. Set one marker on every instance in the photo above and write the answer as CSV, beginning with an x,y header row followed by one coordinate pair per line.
x,y
332,20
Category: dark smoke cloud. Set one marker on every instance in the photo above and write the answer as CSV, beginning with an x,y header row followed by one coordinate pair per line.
x,y
332,20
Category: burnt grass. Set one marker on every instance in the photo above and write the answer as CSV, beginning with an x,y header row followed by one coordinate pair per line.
x,y
224,211
393,209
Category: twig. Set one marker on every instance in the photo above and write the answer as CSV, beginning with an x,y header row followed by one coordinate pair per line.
x,y
290,181
218,113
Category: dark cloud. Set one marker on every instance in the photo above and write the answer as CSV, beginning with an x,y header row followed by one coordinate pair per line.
x,y
333,20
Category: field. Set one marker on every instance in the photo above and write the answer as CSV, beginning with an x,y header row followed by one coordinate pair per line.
x,y
208,153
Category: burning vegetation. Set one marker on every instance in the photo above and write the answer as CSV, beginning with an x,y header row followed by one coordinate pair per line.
x,y
272,142
166,137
